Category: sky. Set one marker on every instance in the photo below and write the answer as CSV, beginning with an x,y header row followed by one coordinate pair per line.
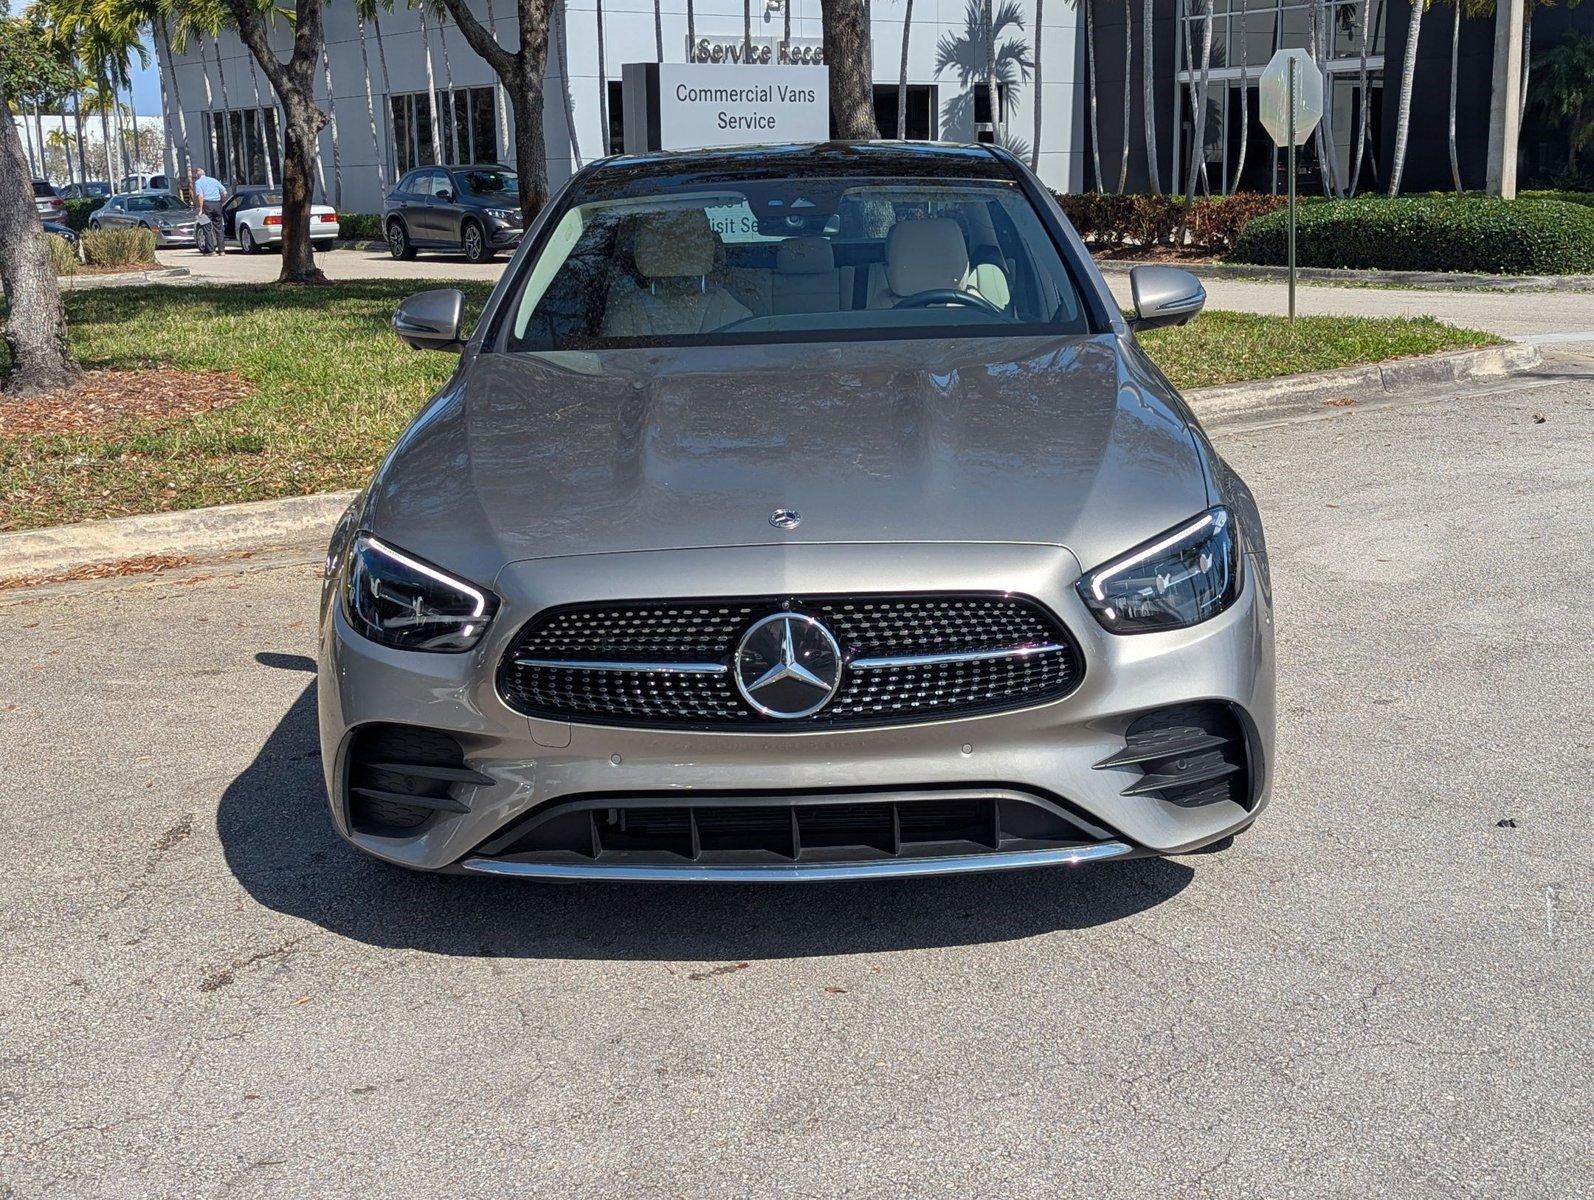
x,y
147,85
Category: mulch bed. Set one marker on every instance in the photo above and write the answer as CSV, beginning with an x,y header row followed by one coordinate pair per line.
x,y
1156,254
110,397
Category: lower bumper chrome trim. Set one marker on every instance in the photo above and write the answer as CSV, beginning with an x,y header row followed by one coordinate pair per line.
x,y
957,864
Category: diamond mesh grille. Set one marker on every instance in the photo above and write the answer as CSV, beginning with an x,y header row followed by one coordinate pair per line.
x,y
707,632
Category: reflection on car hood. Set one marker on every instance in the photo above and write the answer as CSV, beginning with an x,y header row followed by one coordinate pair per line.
x,y
1043,440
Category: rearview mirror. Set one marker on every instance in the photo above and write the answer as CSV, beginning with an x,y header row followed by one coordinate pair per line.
x,y
1164,296
431,320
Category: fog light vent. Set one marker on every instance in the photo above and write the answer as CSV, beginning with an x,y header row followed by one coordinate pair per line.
x,y
1189,755
400,777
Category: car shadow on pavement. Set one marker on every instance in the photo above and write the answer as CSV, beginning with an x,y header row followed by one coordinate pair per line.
x,y
278,843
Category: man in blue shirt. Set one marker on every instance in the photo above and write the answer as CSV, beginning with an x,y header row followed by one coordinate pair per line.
x,y
208,195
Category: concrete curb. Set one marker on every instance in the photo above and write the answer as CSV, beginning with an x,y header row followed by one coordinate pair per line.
x,y
231,528
152,275
1379,379
1432,280
198,532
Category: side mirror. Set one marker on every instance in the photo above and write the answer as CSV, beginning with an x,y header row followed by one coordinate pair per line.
x,y
445,196
1164,296
431,320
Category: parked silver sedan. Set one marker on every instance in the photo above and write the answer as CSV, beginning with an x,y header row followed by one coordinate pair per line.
x,y
798,513
164,215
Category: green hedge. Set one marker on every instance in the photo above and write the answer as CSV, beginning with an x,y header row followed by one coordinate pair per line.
x,y
1429,233
1143,220
1583,198
78,211
118,247
360,227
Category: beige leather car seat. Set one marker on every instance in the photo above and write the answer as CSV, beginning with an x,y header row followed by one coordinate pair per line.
x,y
806,278
675,255
926,254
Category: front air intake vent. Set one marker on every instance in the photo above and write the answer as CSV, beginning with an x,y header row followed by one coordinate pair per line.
x,y
400,777
1190,755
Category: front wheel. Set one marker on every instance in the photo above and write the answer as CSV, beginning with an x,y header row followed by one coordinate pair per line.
x,y
475,243
398,241
94,226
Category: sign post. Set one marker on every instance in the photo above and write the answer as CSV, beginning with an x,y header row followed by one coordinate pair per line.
x,y
1290,104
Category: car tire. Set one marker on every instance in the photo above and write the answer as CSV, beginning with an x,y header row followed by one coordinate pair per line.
x,y
398,241
474,241
94,226
246,241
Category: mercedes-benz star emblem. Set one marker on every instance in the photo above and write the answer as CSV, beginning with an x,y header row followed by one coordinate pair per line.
x,y
787,666
785,518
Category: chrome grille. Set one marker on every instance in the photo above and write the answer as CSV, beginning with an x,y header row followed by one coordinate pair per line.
x,y
909,658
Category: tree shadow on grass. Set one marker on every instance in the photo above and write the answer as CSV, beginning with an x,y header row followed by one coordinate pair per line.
x,y
280,846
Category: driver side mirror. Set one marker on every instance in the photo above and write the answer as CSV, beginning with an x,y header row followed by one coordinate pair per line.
x,y
1164,296
431,320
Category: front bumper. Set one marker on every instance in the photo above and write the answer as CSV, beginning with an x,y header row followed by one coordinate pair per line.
x,y
503,236
1049,750
177,235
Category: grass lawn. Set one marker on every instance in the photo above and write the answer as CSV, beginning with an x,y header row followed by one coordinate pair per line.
x,y
331,388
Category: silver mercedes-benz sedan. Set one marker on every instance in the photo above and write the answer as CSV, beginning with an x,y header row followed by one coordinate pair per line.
x,y
798,513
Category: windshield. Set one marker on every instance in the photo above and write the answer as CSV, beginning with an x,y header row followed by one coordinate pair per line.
x,y
43,190
154,204
478,180
796,259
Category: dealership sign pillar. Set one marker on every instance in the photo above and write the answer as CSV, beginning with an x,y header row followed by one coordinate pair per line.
x,y
1290,104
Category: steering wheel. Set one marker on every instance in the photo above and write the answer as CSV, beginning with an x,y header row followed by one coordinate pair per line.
x,y
951,296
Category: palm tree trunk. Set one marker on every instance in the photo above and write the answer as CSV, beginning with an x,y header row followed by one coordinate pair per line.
x,y
1527,61
370,104
658,30
38,131
1090,51
1455,58
902,79
561,15
498,84
431,91
1328,150
1198,122
1408,71
747,31
332,128
1129,70
993,97
105,132
25,140
603,82
1148,96
1361,85
1090,84
77,125
387,82
785,36
1245,109
691,28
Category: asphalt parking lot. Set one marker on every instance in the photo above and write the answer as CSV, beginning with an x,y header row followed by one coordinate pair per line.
x,y
1382,989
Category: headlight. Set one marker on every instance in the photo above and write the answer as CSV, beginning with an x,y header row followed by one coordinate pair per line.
x,y
504,214
163,222
1182,578
408,604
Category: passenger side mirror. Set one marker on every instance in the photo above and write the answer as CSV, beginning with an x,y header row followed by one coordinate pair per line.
x,y
1164,296
431,320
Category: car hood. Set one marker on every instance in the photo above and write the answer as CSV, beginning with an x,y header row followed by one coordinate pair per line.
x,y
1058,441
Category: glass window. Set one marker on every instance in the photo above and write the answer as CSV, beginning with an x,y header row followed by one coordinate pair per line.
x,y
616,117
489,182
921,111
762,260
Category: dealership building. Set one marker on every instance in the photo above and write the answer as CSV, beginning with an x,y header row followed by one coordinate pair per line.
x,y
406,90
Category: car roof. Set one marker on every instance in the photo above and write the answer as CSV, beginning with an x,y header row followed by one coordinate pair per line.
x,y
909,159
472,167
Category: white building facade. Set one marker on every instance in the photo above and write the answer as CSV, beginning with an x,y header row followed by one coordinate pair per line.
x,y
382,85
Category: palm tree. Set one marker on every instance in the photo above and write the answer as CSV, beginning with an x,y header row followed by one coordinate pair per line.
x,y
1408,72
370,100
562,41
332,128
902,81
1565,95
1148,96
993,97
1455,55
1198,118
1035,148
431,88
1129,45
1090,82
498,84
1245,107
603,79
658,30
1361,92
747,31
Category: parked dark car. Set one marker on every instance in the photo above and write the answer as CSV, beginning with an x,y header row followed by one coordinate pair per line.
x,y
89,189
48,201
64,232
470,209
